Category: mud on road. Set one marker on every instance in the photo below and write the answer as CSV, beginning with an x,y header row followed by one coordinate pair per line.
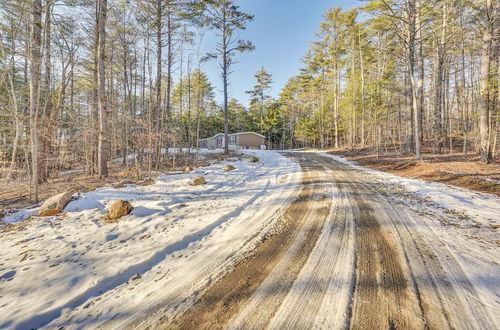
x,y
344,258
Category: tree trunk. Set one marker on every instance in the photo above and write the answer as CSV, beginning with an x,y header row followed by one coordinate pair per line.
x,y
485,88
17,125
336,104
363,115
439,82
45,129
225,72
35,58
421,77
157,113
170,64
189,133
464,99
412,14
95,100
103,147
352,114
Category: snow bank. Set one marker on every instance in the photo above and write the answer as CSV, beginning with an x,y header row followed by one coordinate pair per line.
x,y
76,271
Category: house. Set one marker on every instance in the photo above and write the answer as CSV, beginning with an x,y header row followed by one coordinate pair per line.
x,y
212,142
243,140
247,140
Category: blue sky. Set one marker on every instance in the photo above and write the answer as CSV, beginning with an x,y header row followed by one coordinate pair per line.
x,y
282,31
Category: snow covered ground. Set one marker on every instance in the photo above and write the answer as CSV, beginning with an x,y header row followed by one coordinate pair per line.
x,y
76,271
200,152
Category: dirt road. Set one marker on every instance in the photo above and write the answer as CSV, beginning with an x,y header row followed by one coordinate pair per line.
x,y
345,258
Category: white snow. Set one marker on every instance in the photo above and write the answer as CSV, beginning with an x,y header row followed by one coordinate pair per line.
x,y
76,271
19,215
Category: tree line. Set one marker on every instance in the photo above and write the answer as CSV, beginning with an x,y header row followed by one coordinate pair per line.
x,y
83,82
399,74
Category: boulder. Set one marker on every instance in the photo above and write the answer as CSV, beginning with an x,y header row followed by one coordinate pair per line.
x,y
254,159
229,168
55,204
188,169
197,181
118,209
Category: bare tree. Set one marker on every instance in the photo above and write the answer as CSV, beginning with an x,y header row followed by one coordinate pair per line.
x,y
488,97
225,17
103,148
439,80
412,30
35,58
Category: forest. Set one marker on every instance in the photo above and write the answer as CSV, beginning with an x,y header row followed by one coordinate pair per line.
x,y
85,82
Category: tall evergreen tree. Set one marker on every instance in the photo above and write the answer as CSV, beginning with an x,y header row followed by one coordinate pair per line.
x,y
258,95
225,17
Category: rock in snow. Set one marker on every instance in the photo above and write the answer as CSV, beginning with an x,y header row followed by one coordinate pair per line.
x,y
254,159
118,209
197,181
229,168
55,204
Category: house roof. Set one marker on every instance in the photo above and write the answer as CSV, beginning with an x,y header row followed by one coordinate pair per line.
x,y
241,133
213,137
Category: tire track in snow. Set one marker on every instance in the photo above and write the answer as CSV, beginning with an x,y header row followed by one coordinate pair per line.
x,y
438,296
382,297
326,279
224,299
356,262
268,299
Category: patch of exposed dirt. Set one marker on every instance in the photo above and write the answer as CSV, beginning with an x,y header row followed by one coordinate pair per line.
x,y
395,264
454,169
380,279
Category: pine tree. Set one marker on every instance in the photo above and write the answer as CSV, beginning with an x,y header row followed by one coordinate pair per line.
x,y
225,17
258,95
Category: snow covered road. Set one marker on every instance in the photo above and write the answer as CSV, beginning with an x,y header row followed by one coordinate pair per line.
x,y
298,242
368,254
